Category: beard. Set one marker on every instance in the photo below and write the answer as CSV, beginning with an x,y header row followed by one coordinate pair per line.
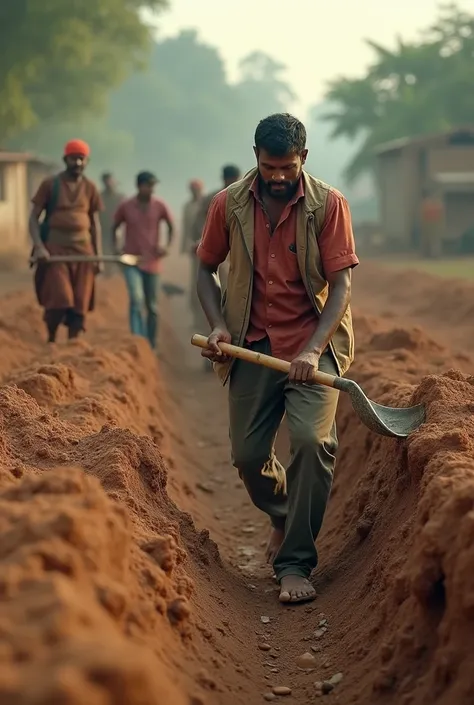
x,y
281,190
75,170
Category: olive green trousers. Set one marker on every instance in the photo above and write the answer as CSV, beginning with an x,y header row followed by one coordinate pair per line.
x,y
259,398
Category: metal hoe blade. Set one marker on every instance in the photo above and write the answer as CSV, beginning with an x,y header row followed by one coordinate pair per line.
x,y
385,420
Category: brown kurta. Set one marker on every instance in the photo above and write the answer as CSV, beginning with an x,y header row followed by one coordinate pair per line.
x,y
68,286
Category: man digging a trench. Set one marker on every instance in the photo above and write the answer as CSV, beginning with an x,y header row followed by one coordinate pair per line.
x,y
291,249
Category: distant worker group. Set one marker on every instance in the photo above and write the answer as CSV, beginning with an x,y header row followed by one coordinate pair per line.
x,y
79,232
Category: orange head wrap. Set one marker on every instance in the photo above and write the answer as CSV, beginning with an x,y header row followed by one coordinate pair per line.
x,y
77,147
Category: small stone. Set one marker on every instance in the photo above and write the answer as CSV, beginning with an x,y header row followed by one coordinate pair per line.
x,y
248,529
246,551
323,623
327,687
251,587
336,678
317,649
264,647
265,620
319,685
269,696
281,690
306,662
319,633
205,488
274,670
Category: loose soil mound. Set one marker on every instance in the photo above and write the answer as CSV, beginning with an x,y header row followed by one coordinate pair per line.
x,y
91,553
400,530
109,595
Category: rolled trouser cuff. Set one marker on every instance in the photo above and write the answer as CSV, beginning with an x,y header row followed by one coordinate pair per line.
x,y
292,570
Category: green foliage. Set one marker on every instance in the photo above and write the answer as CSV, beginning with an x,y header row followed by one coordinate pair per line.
x,y
416,88
60,59
180,117
187,118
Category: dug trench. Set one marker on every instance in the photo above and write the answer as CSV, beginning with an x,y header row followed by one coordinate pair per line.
x,y
131,561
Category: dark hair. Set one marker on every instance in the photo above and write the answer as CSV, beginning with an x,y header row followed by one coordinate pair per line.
x,y
106,176
230,171
146,177
280,134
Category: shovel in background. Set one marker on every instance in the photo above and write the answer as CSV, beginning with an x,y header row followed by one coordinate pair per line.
x,y
385,420
169,289
128,260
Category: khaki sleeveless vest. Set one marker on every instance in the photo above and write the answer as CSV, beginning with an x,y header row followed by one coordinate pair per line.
x,y
237,297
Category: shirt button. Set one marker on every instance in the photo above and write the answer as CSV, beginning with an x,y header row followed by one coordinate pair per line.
x,y
272,255
267,226
270,281
269,325
270,304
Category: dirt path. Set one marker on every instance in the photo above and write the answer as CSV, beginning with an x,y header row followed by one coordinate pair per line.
x,y
182,624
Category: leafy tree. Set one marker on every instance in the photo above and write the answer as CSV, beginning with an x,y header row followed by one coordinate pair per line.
x,y
59,59
416,88
179,116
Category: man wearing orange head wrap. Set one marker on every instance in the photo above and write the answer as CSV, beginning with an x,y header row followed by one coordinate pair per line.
x,y
70,204
189,245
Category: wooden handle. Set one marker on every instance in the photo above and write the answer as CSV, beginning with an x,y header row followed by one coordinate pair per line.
x,y
257,358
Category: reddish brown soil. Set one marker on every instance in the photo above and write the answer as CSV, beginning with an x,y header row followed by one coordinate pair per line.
x,y
111,593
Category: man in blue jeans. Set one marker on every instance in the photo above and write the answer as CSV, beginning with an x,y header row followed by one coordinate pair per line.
x,y
142,216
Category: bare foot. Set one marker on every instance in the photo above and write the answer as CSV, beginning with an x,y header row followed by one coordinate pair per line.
x,y
273,545
294,588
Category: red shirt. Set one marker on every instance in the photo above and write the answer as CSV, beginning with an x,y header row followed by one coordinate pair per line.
x,y
281,308
432,210
142,230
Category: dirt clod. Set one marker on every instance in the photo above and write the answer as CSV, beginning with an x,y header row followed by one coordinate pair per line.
x,y
306,662
281,690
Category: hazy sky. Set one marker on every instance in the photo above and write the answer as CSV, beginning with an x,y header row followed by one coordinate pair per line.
x,y
316,40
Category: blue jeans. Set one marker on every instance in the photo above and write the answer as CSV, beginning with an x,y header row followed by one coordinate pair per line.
x,y
143,290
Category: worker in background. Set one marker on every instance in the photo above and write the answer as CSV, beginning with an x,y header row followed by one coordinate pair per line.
x,y
142,216
230,174
432,221
111,199
188,246
71,226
